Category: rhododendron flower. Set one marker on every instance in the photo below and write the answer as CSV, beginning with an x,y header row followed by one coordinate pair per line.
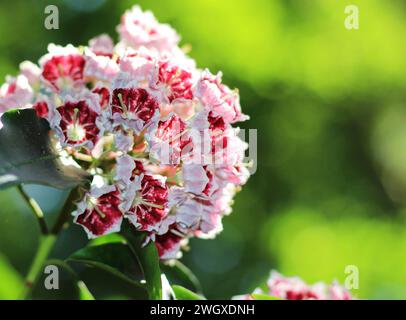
x,y
146,201
168,139
133,108
169,244
218,98
175,82
62,67
141,29
78,123
294,288
32,72
15,93
102,45
99,67
154,131
99,211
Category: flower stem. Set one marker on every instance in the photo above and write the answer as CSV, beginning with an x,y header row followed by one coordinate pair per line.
x,y
47,242
44,249
35,209
66,211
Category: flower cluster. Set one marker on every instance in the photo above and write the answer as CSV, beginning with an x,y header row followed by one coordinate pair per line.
x,y
154,131
294,288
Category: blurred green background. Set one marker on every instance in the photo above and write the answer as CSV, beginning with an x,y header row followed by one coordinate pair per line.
x,y
330,108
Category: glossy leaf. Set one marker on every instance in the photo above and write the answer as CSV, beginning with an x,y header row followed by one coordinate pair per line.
x,y
109,238
83,291
149,261
182,293
27,154
115,258
178,273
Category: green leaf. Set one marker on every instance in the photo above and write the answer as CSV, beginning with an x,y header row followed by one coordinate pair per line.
x,y
149,260
11,283
180,274
27,154
108,238
182,293
83,291
260,296
115,258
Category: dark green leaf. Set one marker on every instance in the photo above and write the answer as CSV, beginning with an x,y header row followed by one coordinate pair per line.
x,y
182,293
27,154
83,291
149,260
115,258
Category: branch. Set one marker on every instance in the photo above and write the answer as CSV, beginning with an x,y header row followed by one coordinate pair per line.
x,y
35,208
66,211
47,242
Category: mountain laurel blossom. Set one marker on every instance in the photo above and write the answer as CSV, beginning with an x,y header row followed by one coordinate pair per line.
x,y
294,288
153,130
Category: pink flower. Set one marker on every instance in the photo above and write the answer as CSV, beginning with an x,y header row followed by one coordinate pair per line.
x,y
337,292
294,288
32,72
124,141
169,244
98,213
185,109
146,201
46,108
153,130
193,214
99,67
223,199
78,122
227,149
63,67
218,98
175,82
291,288
128,169
137,71
104,95
133,108
15,93
167,140
141,29
102,45
210,225
41,108
195,177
